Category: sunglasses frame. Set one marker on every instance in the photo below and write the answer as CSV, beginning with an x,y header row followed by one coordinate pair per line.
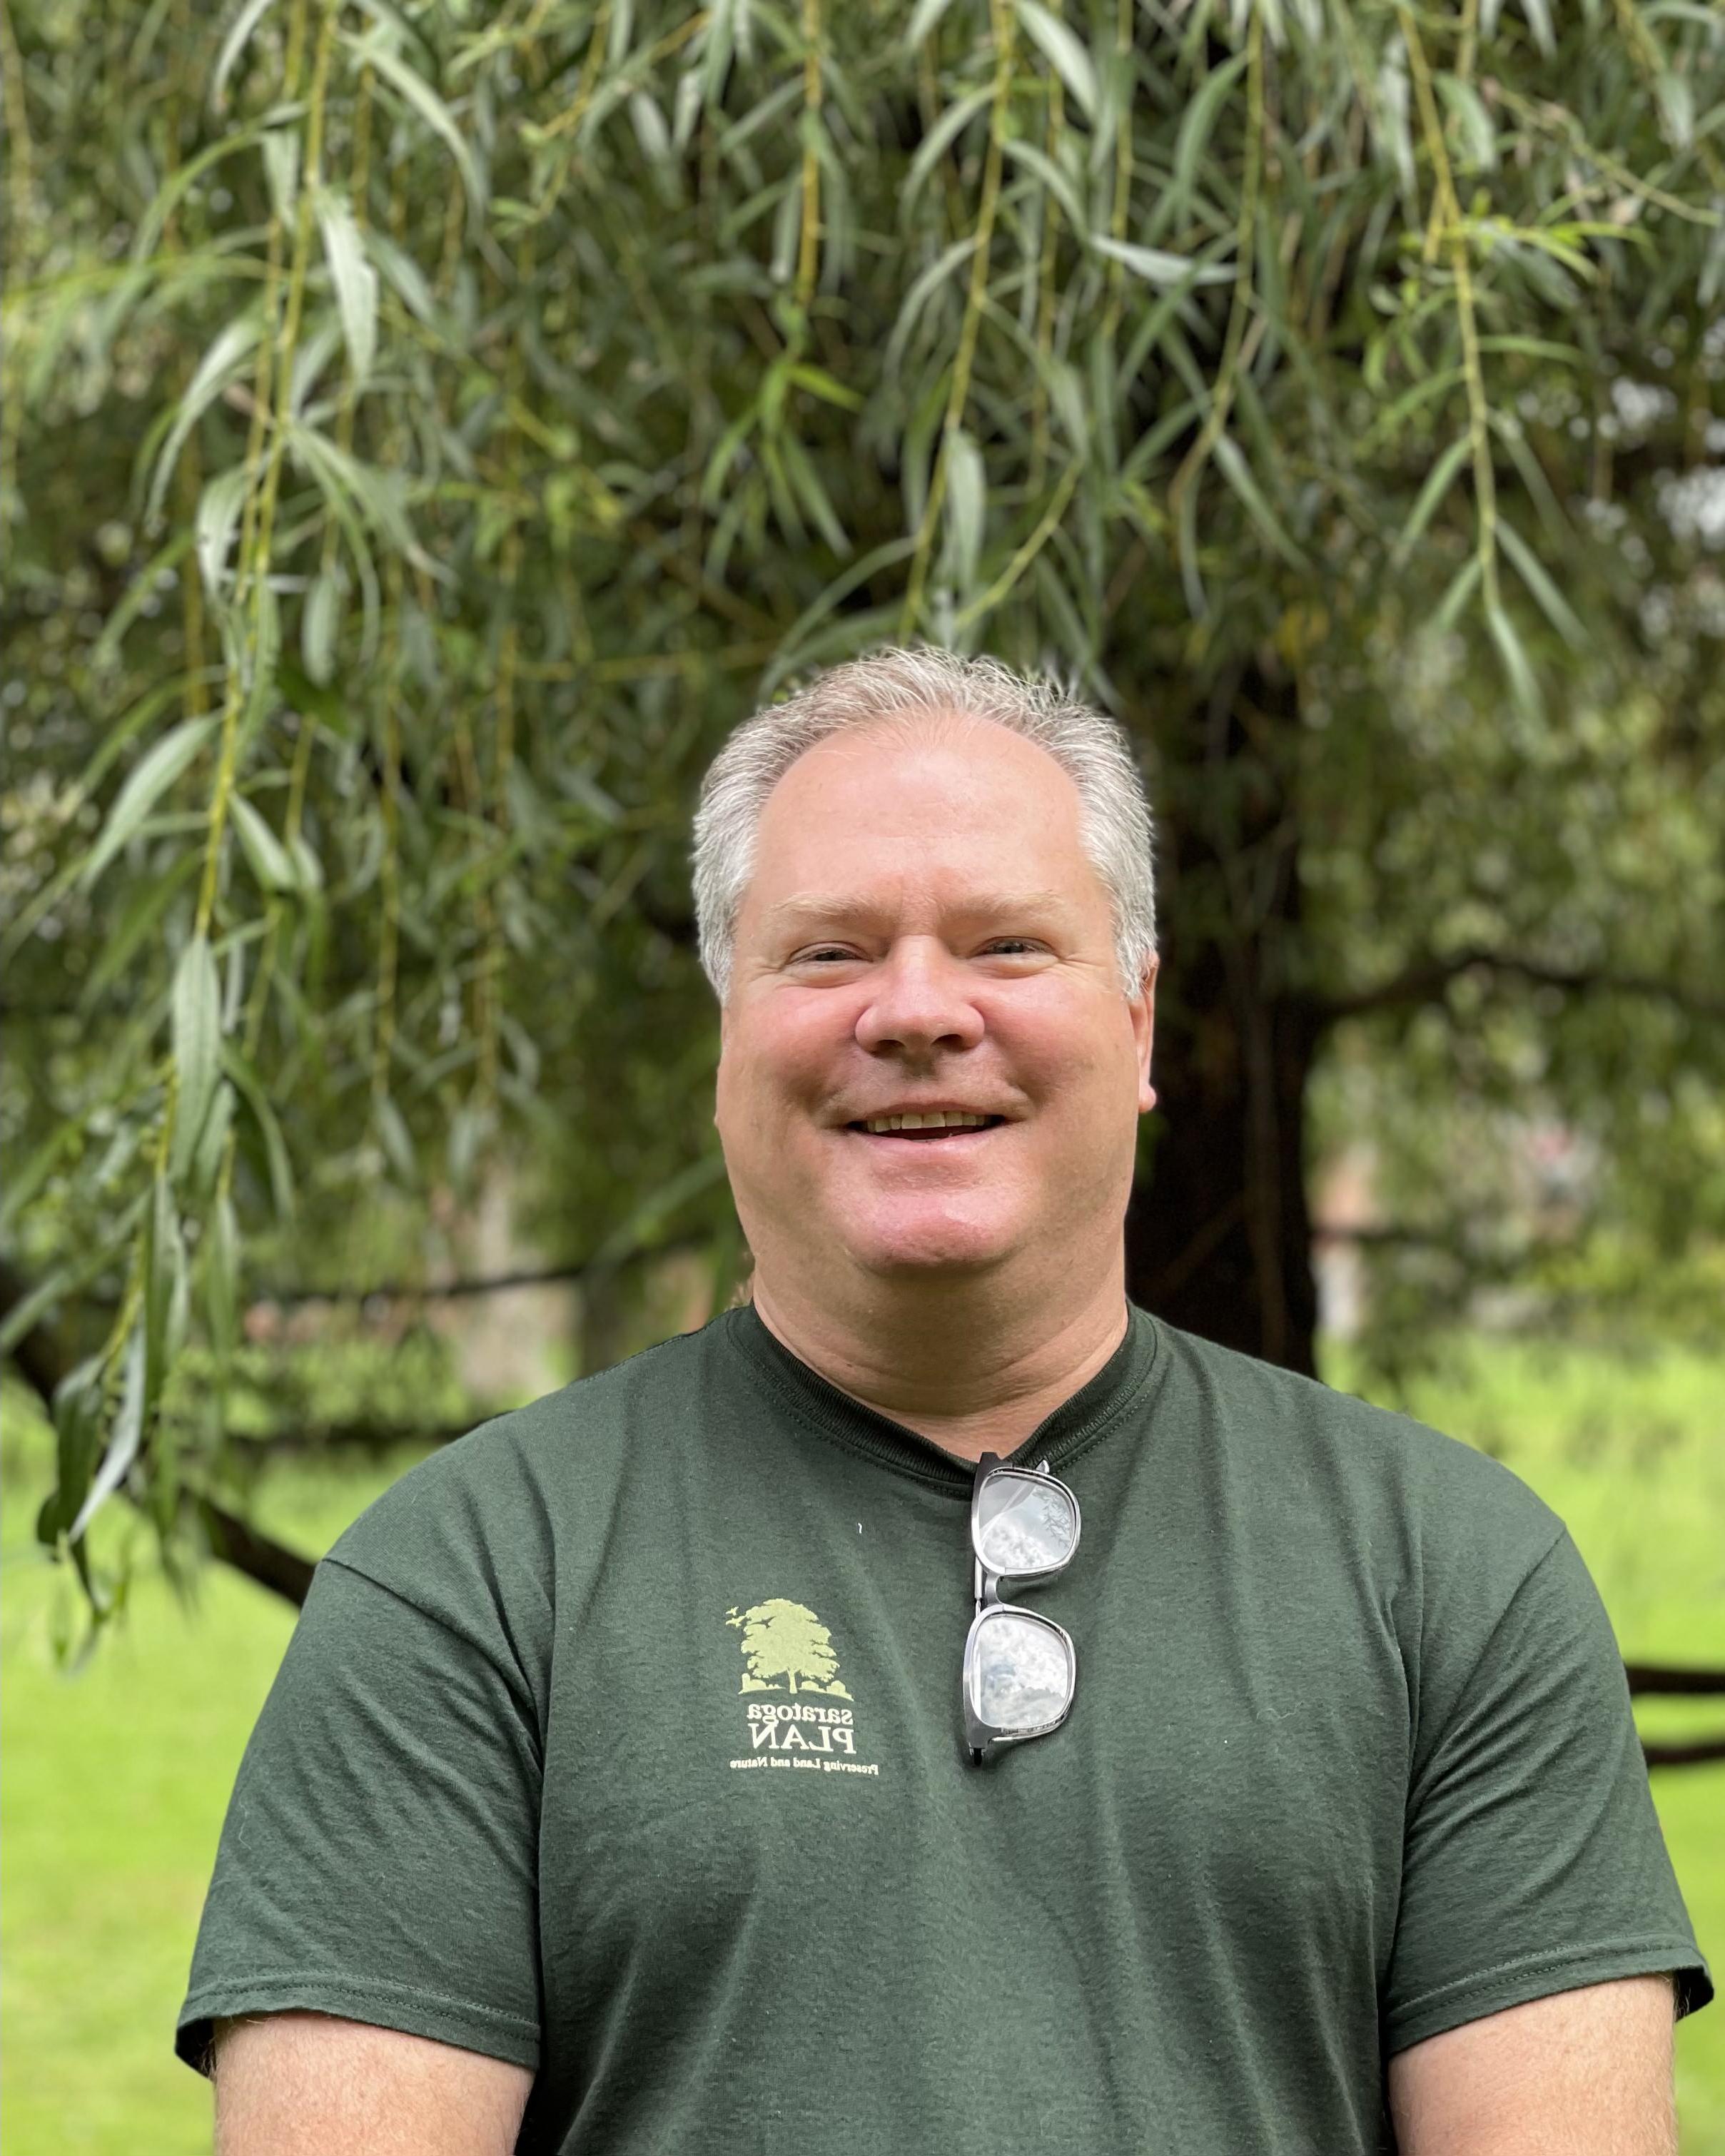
x,y
987,1740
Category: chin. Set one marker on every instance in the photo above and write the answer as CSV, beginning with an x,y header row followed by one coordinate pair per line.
x,y
950,1247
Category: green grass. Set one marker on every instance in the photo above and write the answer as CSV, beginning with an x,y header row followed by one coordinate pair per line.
x,y
114,1779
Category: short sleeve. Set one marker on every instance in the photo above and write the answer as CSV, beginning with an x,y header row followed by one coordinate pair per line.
x,y
1533,1861
378,1862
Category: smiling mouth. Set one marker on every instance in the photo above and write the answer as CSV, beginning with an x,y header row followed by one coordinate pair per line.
x,y
940,1124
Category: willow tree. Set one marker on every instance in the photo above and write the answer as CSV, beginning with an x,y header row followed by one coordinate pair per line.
x,y
433,426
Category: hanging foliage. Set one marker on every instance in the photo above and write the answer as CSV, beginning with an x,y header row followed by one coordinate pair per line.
x,y
430,426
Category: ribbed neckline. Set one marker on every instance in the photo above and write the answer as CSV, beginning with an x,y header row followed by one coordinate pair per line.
x,y
1076,1423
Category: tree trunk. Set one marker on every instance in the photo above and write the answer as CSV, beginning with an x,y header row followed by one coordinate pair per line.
x,y
1218,1238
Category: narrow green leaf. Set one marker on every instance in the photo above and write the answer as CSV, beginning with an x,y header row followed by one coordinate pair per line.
x,y
78,1445
393,1135
1462,587
1438,482
233,44
173,189
924,21
819,383
281,168
401,271
1676,108
1556,609
308,871
123,1441
251,1091
143,788
430,107
167,1298
140,919
265,855
1479,137
1231,463
967,510
805,483
196,1006
934,146
919,295
215,521
221,1277
1160,269
1387,423
212,1141
651,132
1524,686
1539,15
1064,52
377,494
1196,130
1040,166
320,619
139,593
24,1183
1712,268
354,280
1528,347
216,370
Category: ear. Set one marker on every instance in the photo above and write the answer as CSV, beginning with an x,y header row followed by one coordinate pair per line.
x,y
1143,1007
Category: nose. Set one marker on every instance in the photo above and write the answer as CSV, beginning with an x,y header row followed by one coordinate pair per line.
x,y
921,1001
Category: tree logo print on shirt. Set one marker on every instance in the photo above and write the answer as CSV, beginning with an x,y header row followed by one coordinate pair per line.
x,y
787,1649
786,1640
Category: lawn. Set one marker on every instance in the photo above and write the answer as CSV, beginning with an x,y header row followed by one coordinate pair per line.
x,y
114,1779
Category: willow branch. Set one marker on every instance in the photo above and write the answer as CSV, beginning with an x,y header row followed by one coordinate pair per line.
x,y
965,358
1446,217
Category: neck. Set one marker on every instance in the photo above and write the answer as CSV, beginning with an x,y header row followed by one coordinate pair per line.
x,y
959,1362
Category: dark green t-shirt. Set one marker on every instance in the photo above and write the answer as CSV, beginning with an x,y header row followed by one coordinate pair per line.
x,y
623,1740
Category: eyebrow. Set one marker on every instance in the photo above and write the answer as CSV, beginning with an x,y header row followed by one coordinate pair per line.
x,y
791,911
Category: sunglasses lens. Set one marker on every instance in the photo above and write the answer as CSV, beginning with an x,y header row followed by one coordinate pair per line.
x,y
1021,1675
1025,1524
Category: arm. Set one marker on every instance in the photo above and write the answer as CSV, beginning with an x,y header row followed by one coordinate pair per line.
x,y
1582,2073
301,2084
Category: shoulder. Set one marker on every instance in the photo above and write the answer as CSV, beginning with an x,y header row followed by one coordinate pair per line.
x,y
490,1519
1420,1498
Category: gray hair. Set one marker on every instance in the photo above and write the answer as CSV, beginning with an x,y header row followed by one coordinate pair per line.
x,y
1090,748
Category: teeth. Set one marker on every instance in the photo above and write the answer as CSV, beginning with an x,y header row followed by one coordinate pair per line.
x,y
948,1119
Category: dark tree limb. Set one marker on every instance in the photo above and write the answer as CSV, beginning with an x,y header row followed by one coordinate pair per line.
x,y
1673,1681
373,1438
1425,982
270,1563
1701,1755
417,1292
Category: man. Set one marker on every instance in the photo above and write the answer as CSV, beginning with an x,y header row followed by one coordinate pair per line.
x,y
619,1791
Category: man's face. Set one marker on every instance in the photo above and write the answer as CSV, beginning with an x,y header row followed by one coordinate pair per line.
x,y
923,931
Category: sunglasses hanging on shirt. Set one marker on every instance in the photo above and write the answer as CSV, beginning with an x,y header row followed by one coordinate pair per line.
x,y
1020,1669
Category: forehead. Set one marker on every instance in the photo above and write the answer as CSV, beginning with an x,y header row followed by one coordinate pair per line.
x,y
930,799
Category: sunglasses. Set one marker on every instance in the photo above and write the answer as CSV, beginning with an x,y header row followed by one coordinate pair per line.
x,y
1020,1669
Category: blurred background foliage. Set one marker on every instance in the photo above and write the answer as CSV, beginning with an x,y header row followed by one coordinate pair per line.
x,y
430,428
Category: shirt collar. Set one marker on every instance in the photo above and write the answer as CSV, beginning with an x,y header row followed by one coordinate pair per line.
x,y
1077,1422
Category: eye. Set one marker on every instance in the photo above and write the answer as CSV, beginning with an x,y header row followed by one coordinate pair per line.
x,y
1014,947
823,954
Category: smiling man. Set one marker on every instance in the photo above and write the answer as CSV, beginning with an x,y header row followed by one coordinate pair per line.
x,y
939,1706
